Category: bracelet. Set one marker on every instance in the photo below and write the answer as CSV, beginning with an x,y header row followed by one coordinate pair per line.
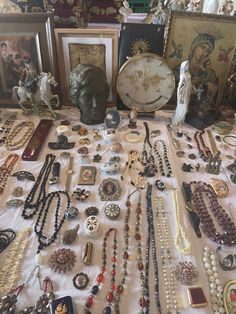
x,y
229,136
132,137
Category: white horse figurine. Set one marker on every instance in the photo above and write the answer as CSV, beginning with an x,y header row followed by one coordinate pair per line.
x,y
43,93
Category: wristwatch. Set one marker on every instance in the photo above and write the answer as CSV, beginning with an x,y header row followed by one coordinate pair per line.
x,y
145,82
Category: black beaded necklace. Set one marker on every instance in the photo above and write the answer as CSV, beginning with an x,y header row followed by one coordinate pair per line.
x,y
42,204
151,243
165,156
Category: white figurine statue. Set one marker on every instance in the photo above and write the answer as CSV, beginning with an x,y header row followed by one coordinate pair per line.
x,y
211,6
183,94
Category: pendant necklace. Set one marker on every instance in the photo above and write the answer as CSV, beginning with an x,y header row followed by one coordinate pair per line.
x,y
151,243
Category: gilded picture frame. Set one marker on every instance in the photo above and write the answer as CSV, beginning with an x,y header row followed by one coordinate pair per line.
x,y
229,297
208,41
27,35
87,46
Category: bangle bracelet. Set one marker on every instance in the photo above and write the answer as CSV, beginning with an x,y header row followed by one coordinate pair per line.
x,y
132,137
230,136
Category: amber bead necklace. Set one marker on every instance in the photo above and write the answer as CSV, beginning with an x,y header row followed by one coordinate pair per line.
x,y
101,276
202,193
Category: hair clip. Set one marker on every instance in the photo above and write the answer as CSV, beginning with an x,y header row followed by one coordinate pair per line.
x,y
22,175
227,262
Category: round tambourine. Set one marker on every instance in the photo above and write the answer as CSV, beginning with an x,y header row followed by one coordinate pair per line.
x,y
145,82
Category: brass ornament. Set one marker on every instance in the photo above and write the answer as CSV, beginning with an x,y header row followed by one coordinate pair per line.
x,y
220,187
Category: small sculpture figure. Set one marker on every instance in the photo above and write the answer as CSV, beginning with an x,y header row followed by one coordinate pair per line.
x,y
195,6
89,92
160,14
183,94
187,167
62,143
132,122
35,88
125,10
213,165
226,8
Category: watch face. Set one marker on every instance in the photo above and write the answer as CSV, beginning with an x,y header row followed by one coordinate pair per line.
x,y
145,82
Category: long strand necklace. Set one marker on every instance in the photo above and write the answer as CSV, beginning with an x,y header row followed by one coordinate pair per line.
x,y
133,170
140,262
19,142
101,276
42,205
5,170
167,264
147,159
159,158
203,150
181,241
151,243
202,192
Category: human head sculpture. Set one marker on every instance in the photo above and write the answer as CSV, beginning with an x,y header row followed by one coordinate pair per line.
x,y
89,91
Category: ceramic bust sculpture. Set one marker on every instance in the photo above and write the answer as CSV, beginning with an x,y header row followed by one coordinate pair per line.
x,y
89,92
183,94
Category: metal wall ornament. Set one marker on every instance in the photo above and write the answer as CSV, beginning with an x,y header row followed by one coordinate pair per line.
x,y
110,190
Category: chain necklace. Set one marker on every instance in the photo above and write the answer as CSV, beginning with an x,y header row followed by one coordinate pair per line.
x,y
166,258
147,159
5,129
19,143
42,205
202,192
100,277
151,243
159,158
6,169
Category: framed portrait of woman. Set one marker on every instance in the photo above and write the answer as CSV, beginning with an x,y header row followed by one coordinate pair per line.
x,y
208,41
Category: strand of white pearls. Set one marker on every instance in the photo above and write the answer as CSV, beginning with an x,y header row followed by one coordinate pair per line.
x,y
166,258
216,289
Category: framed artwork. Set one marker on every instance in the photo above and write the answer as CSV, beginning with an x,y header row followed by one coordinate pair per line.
x,y
104,11
229,296
23,36
209,43
98,47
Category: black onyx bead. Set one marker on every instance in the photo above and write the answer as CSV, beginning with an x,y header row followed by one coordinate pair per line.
x,y
107,310
94,290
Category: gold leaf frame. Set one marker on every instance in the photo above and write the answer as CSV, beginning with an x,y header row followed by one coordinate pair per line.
x,y
181,31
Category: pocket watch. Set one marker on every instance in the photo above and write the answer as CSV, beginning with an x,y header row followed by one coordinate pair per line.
x,y
145,82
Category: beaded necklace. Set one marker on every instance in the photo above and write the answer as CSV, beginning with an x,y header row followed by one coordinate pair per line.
x,y
42,205
5,170
101,275
151,242
147,159
166,258
216,289
166,159
20,142
204,152
202,191
140,262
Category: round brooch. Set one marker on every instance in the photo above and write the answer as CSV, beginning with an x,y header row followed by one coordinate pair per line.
x,y
186,273
80,194
92,225
91,211
110,190
62,260
112,211
80,281
220,187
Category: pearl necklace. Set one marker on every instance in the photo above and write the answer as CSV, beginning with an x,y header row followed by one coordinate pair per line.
x,y
181,241
216,289
166,258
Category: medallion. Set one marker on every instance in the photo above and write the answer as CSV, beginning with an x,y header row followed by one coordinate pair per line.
x,y
110,190
80,281
220,187
87,175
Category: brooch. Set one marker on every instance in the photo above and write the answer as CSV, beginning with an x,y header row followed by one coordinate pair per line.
x,y
219,187
62,260
84,141
71,212
92,225
22,175
80,194
112,211
15,203
80,281
110,190
91,211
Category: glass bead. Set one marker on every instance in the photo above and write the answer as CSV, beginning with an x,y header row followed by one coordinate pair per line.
x,y
107,310
100,278
110,297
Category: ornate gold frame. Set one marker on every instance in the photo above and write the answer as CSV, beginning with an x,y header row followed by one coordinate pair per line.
x,y
225,292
